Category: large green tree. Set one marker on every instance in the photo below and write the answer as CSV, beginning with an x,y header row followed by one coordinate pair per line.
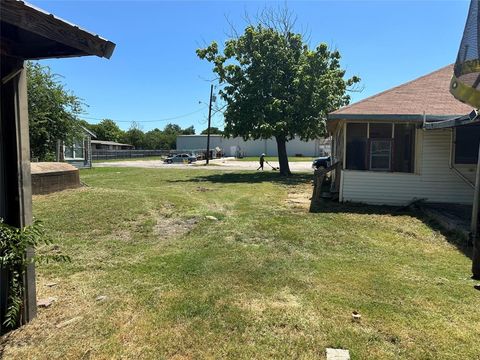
x,y
156,140
171,131
107,130
274,85
134,136
53,112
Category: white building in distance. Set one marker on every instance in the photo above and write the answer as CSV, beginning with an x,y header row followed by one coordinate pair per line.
x,y
239,148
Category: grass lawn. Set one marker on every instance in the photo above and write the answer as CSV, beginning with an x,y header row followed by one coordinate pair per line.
x,y
274,158
267,280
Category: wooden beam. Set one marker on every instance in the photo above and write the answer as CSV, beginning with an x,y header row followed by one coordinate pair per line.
x,y
48,26
25,187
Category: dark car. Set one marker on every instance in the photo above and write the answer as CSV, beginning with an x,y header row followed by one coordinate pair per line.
x,y
321,162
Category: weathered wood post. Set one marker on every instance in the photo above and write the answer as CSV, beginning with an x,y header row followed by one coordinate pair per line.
x,y
318,177
16,191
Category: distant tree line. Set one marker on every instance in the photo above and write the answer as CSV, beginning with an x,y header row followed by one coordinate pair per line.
x,y
153,140
55,112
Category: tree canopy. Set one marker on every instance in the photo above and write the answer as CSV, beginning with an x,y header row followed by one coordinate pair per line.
x,y
52,110
274,85
213,130
155,139
107,130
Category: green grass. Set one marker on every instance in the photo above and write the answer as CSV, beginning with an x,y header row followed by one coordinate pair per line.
x,y
274,158
268,280
132,159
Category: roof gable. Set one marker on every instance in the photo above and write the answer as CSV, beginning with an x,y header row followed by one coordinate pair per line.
x,y
428,94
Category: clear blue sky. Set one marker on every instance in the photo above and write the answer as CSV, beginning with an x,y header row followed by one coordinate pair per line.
x,y
154,73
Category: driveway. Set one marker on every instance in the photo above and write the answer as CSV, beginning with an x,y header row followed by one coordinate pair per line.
x,y
216,164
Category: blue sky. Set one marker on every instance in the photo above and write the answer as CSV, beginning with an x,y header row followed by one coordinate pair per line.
x,y
154,73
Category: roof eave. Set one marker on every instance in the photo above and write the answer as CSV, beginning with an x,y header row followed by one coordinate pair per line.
x,y
91,133
77,41
391,117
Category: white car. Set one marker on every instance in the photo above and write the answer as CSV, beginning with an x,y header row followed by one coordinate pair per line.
x,y
180,158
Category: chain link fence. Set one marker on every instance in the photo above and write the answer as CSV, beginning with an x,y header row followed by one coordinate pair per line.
x,y
103,154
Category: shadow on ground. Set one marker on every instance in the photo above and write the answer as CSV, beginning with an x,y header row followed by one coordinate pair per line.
x,y
455,238
251,177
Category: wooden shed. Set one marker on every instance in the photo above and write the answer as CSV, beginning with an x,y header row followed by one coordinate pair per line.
x,y
27,32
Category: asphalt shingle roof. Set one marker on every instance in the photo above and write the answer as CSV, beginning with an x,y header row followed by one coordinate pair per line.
x,y
427,94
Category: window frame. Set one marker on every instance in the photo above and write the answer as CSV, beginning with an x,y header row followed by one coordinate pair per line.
x,y
75,149
391,140
371,155
347,142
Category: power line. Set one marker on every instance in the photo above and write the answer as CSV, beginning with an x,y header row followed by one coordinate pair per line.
x,y
146,121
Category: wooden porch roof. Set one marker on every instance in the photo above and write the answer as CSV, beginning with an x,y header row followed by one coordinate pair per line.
x,y
28,32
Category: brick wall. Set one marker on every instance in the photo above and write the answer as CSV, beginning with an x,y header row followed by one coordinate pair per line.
x,y
52,177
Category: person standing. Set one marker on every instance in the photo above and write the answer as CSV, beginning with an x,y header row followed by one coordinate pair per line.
x,y
262,160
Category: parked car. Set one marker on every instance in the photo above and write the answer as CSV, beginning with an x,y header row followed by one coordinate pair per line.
x,y
180,158
321,162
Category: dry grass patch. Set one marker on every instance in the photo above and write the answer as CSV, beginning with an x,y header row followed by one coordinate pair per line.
x,y
267,281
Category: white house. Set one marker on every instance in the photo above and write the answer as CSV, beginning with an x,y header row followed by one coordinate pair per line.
x,y
239,147
388,153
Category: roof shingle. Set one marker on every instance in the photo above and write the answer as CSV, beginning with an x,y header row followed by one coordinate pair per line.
x,y
427,94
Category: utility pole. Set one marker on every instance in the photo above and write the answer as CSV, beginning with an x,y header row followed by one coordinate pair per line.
x,y
209,120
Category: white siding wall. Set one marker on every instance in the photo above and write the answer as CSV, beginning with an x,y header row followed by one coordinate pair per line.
x,y
433,180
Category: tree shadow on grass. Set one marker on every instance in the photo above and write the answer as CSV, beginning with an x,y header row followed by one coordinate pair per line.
x,y
251,178
456,238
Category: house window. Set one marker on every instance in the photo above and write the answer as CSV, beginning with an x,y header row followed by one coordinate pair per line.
x,y
380,147
75,151
380,154
380,131
467,139
404,148
356,156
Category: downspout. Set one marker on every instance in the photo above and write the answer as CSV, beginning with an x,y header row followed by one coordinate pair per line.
x,y
344,163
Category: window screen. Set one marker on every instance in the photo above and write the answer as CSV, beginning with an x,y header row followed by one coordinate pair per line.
x,y
380,154
75,151
380,131
404,146
356,156
466,144
69,152
78,150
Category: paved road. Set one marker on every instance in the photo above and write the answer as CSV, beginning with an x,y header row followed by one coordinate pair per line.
x,y
217,164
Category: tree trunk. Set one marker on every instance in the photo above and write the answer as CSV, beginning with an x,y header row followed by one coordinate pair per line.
x,y
282,156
